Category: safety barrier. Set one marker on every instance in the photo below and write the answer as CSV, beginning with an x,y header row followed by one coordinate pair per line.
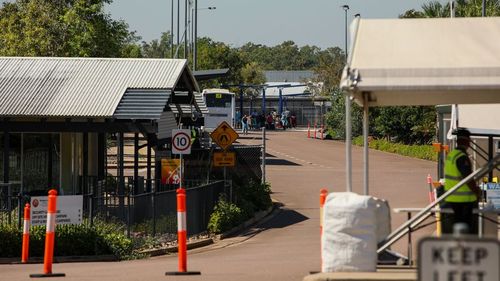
x,y
322,199
49,238
308,130
182,236
26,234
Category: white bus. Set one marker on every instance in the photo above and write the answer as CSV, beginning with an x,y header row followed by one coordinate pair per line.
x,y
221,107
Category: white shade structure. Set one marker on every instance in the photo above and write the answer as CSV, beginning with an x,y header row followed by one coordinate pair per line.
x,y
422,62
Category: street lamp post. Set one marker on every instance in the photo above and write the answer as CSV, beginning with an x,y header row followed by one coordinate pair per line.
x,y
346,8
348,125
195,45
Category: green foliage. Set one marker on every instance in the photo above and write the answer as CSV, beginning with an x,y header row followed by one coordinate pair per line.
x,y
61,28
254,196
328,70
463,8
164,224
251,197
406,124
10,241
335,118
71,240
224,217
425,152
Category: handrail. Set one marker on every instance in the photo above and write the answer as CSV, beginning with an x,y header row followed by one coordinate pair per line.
x,y
425,213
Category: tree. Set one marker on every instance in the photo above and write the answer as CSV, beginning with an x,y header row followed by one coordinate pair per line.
x,y
217,55
463,8
158,48
335,118
62,28
328,69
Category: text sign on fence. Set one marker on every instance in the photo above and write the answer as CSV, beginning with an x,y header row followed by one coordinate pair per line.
x,y
452,259
69,209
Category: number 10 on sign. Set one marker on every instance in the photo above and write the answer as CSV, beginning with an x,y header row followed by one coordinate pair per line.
x,y
181,141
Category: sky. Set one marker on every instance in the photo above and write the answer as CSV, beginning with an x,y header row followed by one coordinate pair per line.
x,y
268,22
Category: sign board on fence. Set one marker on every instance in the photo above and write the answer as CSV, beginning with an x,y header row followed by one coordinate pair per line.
x,y
452,259
493,194
69,209
224,135
181,141
170,171
224,159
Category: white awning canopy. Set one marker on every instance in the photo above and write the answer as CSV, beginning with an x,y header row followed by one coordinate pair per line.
x,y
424,61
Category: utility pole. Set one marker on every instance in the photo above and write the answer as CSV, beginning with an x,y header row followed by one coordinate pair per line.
x,y
185,28
178,23
172,30
195,39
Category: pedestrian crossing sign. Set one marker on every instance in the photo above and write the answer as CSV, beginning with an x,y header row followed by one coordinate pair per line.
x,y
224,135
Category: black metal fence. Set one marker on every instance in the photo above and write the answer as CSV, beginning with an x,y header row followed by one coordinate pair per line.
x,y
156,212
147,206
149,213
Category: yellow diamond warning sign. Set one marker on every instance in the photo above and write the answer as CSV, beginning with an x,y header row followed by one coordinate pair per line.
x,y
224,135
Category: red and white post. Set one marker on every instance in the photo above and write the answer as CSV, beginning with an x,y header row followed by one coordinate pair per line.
x,y
315,131
182,235
308,130
431,190
26,234
322,199
50,235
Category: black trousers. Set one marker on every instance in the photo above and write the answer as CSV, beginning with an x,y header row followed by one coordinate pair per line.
x,y
462,212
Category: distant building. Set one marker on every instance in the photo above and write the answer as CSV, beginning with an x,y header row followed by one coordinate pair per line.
x,y
297,96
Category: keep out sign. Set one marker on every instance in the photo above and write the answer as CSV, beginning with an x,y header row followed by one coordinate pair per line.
x,y
458,259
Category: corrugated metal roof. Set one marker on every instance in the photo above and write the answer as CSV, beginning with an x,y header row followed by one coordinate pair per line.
x,y
188,109
142,104
78,87
288,75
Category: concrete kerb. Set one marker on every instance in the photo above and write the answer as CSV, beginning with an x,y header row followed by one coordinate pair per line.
x,y
63,259
259,217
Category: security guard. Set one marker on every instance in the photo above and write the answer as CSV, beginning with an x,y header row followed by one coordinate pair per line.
x,y
465,199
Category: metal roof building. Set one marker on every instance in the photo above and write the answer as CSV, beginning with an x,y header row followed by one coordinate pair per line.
x,y
88,87
57,115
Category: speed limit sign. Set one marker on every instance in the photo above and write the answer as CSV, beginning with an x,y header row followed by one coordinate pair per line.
x,y
181,141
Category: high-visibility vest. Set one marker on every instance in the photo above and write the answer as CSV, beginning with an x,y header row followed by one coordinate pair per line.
x,y
453,176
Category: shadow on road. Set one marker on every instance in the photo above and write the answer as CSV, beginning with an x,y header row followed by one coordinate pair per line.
x,y
286,218
281,162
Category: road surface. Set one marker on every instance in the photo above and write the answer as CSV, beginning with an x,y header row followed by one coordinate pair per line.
x,y
286,247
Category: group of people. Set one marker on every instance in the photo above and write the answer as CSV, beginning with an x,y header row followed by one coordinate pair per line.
x,y
272,121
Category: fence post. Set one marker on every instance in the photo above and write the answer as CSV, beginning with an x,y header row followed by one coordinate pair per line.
x,y
263,155
153,205
128,214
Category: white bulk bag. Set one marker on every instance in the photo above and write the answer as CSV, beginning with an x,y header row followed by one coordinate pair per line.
x,y
349,240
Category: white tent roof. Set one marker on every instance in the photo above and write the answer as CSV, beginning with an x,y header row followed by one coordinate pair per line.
x,y
424,61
